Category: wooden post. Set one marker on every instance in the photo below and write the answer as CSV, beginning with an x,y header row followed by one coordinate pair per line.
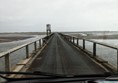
x,y
83,44
35,46
77,42
40,43
94,49
27,51
7,63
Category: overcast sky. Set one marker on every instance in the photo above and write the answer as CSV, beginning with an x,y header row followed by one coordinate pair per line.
x,y
63,15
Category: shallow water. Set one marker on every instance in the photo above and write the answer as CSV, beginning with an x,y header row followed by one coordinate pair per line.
x,y
18,55
106,53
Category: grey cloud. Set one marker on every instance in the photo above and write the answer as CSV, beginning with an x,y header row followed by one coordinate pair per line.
x,y
64,15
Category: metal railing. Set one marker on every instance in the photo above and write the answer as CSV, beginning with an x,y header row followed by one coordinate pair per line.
x,y
95,43
7,54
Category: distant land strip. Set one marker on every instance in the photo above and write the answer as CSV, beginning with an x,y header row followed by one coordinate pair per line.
x,y
14,38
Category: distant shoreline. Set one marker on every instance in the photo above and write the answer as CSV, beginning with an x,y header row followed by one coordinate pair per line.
x,y
13,38
25,33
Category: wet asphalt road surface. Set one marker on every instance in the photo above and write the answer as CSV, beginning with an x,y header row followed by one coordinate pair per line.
x,y
61,57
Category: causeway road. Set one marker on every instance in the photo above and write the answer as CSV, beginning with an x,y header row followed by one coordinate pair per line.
x,y
61,57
